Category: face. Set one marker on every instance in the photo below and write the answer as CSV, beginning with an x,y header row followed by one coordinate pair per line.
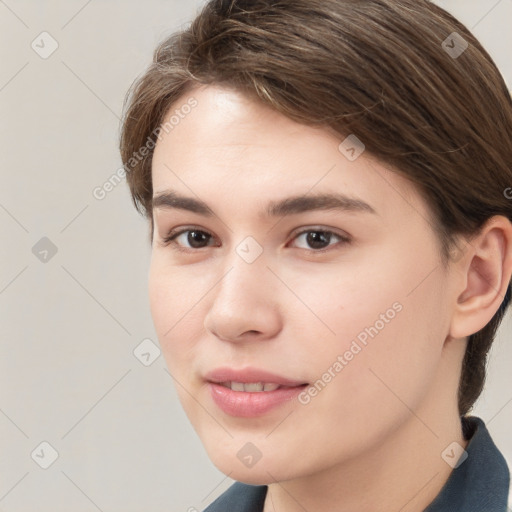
x,y
345,296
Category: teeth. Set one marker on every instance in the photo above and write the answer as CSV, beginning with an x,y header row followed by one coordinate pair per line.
x,y
252,387
237,386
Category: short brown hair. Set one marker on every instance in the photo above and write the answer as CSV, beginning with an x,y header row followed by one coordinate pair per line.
x,y
384,70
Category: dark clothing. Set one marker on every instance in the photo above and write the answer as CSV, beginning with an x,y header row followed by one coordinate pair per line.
x,y
479,484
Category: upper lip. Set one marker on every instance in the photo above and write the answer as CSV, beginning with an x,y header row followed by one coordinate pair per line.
x,y
246,375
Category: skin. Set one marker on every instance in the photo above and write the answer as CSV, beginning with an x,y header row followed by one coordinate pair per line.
x,y
372,438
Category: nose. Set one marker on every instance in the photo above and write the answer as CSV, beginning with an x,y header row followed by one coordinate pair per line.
x,y
245,303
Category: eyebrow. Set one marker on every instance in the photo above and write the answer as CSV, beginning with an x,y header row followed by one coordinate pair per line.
x,y
288,206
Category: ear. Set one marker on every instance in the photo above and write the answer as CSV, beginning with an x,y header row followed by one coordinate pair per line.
x,y
484,270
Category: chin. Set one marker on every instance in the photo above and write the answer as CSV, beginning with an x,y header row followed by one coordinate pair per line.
x,y
251,476
263,472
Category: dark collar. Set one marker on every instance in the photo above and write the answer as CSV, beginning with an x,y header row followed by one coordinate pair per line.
x,y
240,498
479,484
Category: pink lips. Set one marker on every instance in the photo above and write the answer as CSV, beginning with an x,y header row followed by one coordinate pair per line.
x,y
249,375
245,403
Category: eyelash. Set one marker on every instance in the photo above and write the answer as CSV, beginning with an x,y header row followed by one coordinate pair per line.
x,y
170,239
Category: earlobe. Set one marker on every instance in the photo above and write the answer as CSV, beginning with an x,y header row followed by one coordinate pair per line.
x,y
486,270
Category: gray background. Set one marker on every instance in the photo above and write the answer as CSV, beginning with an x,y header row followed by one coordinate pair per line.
x,y
70,323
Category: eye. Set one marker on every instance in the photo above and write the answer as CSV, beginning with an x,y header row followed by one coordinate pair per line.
x,y
195,237
319,239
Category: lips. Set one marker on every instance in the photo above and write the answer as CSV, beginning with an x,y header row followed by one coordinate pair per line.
x,y
251,387
250,392
250,379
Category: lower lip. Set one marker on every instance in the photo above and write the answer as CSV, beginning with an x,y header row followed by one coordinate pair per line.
x,y
248,404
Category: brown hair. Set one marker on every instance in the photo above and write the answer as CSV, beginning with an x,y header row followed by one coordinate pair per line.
x,y
387,71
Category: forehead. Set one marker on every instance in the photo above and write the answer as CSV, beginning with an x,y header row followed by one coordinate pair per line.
x,y
229,146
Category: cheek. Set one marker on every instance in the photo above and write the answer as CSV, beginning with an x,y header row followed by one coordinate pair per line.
x,y
381,340
379,364
174,299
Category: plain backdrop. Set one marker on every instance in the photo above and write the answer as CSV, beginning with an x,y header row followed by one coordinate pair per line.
x,y
73,273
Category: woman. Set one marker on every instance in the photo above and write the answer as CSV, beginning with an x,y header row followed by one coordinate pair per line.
x,y
326,188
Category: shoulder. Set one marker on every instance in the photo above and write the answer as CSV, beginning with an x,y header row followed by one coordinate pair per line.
x,y
240,498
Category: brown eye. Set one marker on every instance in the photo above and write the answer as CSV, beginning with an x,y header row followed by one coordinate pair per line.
x,y
196,238
319,239
190,239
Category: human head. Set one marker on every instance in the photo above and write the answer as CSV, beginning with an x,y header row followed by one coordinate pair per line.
x,y
377,69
